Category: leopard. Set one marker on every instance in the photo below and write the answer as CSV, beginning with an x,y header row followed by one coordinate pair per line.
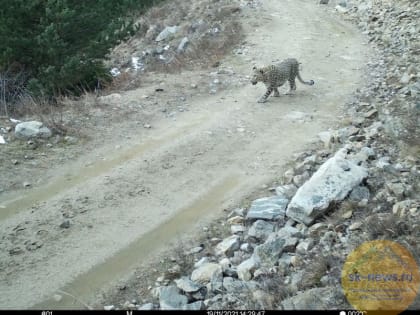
x,y
275,75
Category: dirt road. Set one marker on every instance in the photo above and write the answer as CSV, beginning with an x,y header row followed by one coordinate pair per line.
x,y
131,196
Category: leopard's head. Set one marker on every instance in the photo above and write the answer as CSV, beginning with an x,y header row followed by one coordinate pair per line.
x,y
257,75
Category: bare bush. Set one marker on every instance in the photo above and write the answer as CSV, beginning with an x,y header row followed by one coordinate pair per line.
x,y
12,87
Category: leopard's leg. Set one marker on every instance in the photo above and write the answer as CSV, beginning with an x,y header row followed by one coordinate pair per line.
x,y
276,92
263,98
292,85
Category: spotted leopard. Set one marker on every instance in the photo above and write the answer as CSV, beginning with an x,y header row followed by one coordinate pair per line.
x,y
274,76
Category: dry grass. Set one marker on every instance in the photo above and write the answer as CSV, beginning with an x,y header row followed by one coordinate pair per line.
x,y
12,89
335,216
386,226
274,285
205,46
311,277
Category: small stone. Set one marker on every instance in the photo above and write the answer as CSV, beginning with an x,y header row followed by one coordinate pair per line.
x,y
396,188
286,191
183,44
405,78
206,272
227,246
166,33
245,247
304,246
188,286
57,297
359,193
65,224
295,261
196,250
237,229
109,307
147,126
201,262
194,86
26,184
237,212
355,226
70,139
401,207
246,269
370,114
327,138
15,251
347,214
317,229
260,229
235,220
269,252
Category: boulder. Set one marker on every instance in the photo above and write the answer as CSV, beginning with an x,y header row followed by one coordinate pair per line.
x,y
332,182
32,129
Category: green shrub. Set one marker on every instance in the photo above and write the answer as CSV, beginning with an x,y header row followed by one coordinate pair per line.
x,y
60,44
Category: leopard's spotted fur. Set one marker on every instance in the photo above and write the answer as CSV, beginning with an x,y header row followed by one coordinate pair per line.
x,y
274,76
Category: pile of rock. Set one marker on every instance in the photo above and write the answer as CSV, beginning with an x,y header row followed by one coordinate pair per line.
x,y
392,26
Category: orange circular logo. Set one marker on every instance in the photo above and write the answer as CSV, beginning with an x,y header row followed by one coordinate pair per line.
x,y
380,276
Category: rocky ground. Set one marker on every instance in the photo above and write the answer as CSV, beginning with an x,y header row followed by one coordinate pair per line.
x,y
283,252
274,249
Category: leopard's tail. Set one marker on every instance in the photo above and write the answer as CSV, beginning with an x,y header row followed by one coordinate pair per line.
x,y
310,82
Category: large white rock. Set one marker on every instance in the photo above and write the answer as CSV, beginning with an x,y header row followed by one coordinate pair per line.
x,y
32,129
332,182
